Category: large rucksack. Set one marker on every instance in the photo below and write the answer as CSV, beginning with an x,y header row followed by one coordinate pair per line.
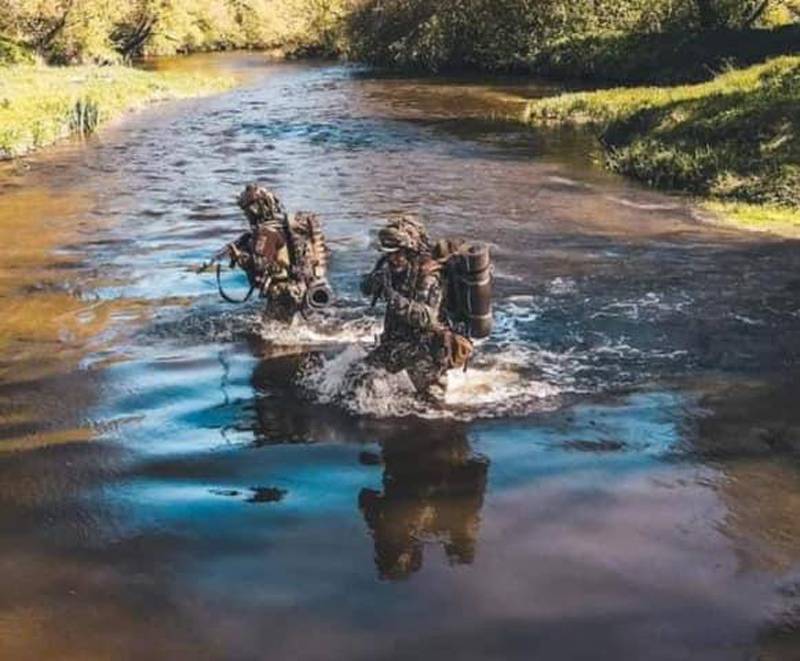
x,y
292,248
309,256
467,270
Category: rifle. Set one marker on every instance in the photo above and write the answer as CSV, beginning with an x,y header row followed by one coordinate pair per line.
x,y
217,257
379,291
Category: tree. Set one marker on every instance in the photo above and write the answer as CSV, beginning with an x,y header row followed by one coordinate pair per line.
x,y
715,14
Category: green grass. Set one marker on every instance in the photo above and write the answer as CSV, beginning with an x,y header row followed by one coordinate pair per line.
x,y
756,217
13,53
40,105
734,139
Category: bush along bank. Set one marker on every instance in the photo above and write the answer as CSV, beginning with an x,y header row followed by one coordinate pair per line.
x,y
40,105
734,140
665,58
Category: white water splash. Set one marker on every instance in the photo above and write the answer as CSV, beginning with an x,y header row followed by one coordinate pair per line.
x,y
496,385
319,331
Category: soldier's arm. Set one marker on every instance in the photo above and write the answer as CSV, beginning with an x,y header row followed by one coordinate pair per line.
x,y
240,252
372,283
421,311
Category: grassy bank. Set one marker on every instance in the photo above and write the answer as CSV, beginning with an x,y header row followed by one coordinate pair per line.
x,y
40,105
734,140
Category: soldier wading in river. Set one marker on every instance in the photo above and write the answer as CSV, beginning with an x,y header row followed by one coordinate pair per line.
x,y
284,257
422,331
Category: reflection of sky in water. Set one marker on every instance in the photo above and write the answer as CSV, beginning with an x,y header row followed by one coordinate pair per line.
x,y
578,531
584,440
324,480
317,481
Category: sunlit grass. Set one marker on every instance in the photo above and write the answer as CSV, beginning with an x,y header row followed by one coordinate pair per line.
x,y
608,105
734,139
40,105
757,217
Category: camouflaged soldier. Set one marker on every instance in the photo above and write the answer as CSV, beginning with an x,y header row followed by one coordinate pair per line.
x,y
263,253
416,335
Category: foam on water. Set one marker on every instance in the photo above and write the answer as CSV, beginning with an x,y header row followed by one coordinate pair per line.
x,y
209,324
319,330
495,385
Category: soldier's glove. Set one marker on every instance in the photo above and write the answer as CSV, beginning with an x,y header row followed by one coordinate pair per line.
x,y
235,255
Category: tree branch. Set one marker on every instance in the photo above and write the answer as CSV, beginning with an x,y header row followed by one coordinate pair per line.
x,y
758,12
49,37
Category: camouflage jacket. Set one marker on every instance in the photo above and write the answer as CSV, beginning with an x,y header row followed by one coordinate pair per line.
x,y
414,299
262,254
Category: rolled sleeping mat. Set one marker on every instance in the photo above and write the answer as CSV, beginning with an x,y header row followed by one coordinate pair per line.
x,y
477,278
319,295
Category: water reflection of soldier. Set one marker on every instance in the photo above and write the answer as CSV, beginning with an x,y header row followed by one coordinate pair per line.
x,y
417,336
432,490
285,260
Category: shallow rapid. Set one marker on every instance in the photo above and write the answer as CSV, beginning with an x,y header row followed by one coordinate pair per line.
x,y
616,470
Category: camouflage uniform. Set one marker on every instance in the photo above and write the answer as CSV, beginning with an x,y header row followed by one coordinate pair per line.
x,y
263,253
414,324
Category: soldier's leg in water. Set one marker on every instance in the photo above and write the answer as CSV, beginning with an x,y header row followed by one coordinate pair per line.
x,y
359,373
388,355
284,301
276,309
429,379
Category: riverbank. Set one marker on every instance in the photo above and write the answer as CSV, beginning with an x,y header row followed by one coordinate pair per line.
x,y
732,141
40,105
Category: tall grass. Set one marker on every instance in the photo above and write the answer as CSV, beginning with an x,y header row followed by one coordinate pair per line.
x,y
39,105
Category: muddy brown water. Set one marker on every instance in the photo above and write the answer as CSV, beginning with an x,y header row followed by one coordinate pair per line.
x,y
616,476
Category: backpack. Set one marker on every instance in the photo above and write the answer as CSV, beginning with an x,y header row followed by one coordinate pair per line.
x,y
309,255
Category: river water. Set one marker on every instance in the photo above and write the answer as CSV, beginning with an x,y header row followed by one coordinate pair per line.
x,y
616,476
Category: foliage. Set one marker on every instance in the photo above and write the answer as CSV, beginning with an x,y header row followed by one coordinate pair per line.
x,y
424,34
13,53
759,217
735,138
106,31
39,105
537,34
662,58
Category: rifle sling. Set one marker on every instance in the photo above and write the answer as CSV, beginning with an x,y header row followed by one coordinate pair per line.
x,y
230,299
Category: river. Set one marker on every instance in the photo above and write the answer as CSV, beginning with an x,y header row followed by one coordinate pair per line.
x,y
615,476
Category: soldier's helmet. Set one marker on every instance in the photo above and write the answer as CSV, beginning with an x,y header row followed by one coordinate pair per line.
x,y
259,204
403,232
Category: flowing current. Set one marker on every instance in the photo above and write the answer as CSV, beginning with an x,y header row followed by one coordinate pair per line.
x,y
615,475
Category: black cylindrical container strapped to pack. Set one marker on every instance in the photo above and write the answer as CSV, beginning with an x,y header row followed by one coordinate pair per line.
x,y
475,272
309,255
468,274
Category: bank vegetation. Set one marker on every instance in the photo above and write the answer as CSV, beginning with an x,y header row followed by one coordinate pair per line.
x,y
40,105
709,104
734,139
699,96
106,31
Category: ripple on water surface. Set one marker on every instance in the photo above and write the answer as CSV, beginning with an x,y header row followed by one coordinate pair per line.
x,y
561,499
